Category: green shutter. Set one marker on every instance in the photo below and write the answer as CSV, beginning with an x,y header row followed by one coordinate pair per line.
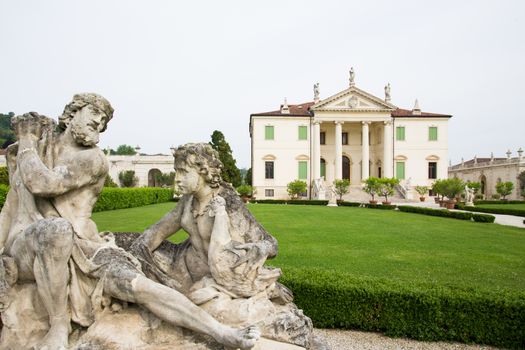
x,y
323,169
400,170
400,133
433,133
303,133
268,132
303,173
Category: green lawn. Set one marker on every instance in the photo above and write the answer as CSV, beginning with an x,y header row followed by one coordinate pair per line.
x,y
389,245
502,206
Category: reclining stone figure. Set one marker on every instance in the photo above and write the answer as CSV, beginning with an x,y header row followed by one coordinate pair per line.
x,y
46,227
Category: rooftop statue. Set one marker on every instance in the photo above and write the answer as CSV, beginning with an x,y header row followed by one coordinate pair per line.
x,y
64,285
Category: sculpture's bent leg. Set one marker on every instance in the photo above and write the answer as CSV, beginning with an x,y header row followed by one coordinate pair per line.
x,y
123,281
51,242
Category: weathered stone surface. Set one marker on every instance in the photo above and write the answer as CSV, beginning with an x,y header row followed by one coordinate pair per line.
x,y
79,289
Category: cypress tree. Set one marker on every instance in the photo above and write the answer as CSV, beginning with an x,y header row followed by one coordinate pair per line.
x,y
230,172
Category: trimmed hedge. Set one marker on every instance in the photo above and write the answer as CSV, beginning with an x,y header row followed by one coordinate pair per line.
x,y
483,218
349,204
3,194
424,312
436,212
515,212
500,202
380,206
290,201
120,198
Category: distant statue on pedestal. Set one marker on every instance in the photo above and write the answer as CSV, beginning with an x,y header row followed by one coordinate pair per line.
x,y
469,196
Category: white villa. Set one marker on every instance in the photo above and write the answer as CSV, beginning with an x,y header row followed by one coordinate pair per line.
x,y
350,135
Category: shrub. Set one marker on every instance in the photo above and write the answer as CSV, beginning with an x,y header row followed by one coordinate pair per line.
x,y
437,188
348,204
295,188
371,186
3,194
483,218
386,186
436,212
109,182
121,198
422,190
127,178
504,188
425,312
452,187
245,190
291,201
4,176
380,206
496,196
341,187
500,202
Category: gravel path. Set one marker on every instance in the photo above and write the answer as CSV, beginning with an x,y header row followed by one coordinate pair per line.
x,y
354,340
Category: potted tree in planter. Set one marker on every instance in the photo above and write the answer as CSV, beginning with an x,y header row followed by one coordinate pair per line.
x,y
452,188
386,188
295,188
437,187
422,191
371,187
341,188
246,192
504,189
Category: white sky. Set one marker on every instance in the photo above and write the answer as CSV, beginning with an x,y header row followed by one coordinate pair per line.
x,y
176,70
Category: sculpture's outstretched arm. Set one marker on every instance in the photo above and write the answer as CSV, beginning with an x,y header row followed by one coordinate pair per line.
x,y
86,168
165,227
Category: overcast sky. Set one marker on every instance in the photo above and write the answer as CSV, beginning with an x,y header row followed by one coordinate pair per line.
x,y
176,70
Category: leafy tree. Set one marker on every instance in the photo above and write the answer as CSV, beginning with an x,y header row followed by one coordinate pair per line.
x,y
295,188
452,187
386,186
371,186
521,179
165,179
127,178
422,190
248,177
124,150
476,186
4,176
109,182
245,190
7,135
504,188
341,187
230,172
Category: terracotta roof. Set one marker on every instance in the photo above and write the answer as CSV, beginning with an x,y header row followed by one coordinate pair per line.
x,y
300,110
409,113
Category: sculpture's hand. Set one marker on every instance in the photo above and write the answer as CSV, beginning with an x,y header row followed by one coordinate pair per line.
x,y
256,254
218,205
28,127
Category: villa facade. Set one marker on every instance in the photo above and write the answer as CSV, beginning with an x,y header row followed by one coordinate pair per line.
x,y
350,135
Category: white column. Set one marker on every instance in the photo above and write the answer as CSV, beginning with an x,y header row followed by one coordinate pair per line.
x,y
338,151
387,149
317,151
365,155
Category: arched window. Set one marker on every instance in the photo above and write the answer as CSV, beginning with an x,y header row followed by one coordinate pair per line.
x,y
346,167
154,178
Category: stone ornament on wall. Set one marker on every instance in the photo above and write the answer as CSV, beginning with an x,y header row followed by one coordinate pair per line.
x,y
64,285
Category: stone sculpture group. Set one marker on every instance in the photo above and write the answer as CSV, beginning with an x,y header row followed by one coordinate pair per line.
x,y
64,285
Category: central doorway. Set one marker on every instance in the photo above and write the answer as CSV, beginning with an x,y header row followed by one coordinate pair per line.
x,y
346,168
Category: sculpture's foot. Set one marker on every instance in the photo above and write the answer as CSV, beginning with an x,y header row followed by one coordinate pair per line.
x,y
243,339
55,339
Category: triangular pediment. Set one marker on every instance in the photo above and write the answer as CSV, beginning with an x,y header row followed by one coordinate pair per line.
x,y
353,99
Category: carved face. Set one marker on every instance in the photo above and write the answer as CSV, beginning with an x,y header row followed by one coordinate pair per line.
x,y
188,179
86,125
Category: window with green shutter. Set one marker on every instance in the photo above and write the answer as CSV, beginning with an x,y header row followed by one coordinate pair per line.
x,y
268,132
323,168
303,132
400,170
303,170
400,133
433,133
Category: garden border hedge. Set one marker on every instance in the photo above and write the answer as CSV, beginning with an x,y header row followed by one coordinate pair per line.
x,y
436,212
515,212
112,198
424,312
499,202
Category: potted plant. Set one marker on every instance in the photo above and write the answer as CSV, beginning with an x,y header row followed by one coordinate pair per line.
x,y
422,191
371,187
386,188
504,189
437,190
341,187
452,188
246,192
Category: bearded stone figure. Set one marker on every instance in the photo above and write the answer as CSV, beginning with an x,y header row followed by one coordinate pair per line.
x,y
64,285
